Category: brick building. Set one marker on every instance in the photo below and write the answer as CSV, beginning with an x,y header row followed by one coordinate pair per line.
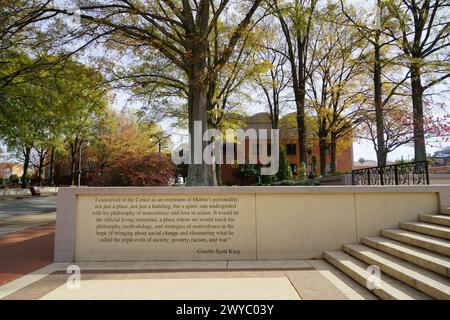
x,y
10,168
288,139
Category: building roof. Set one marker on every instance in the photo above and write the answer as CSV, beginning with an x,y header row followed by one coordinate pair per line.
x,y
287,124
259,121
444,153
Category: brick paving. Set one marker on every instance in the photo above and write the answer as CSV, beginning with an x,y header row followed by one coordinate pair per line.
x,y
25,251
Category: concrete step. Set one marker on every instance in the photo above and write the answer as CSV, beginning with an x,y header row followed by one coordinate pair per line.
x,y
439,219
421,257
418,240
427,228
445,211
430,283
389,288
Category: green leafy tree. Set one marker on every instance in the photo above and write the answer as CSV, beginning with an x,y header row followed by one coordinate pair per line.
x,y
54,111
179,32
297,20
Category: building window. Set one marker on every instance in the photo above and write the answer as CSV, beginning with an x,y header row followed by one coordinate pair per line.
x,y
309,151
230,148
291,149
255,149
294,168
328,150
328,168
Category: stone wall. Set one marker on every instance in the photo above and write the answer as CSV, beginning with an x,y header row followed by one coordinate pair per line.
x,y
230,223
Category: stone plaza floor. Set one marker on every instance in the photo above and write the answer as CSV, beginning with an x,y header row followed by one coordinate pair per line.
x,y
189,280
27,271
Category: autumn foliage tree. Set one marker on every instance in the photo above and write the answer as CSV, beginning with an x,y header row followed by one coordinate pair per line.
x,y
126,155
132,168
399,128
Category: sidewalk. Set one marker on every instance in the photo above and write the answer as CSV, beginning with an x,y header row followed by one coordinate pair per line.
x,y
189,280
25,251
24,196
11,224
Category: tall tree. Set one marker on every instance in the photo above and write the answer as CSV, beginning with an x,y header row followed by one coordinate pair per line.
x,y
274,76
180,31
334,81
51,109
23,114
425,34
296,19
125,154
377,29
399,129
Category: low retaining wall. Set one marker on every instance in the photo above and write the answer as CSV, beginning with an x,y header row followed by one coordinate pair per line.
x,y
229,223
437,179
340,180
27,192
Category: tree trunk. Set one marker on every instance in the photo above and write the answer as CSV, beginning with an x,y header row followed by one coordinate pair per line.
x,y
420,153
51,177
219,174
379,112
41,167
73,155
26,163
333,152
322,156
199,174
300,99
322,147
301,126
298,85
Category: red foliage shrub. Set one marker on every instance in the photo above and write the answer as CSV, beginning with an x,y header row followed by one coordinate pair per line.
x,y
133,168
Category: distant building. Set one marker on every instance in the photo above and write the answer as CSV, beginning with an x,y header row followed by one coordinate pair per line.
x,y
368,164
442,157
288,139
7,169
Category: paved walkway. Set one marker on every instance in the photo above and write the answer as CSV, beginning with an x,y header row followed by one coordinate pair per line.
x,y
187,280
12,207
18,214
27,271
25,251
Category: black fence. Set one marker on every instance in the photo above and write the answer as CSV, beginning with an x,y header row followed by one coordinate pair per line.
x,y
411,173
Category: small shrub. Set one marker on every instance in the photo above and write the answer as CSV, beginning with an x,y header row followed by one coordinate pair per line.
x,y
267,180
247,170
14,179
284,172
296,183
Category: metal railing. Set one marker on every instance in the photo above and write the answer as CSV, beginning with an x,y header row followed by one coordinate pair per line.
x,y
411,173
